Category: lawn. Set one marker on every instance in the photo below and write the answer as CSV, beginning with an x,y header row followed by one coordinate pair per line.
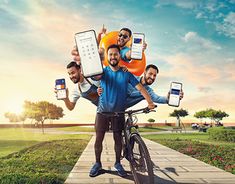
x,y
15,139
28,157
91,129
198,145
77,129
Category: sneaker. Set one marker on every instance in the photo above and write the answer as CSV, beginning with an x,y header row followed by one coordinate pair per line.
x,y
120,170
95,169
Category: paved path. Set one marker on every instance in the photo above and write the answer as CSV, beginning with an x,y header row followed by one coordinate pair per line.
x,y
170,167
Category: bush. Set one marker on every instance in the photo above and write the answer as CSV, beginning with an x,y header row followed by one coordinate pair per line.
x,y
217,155
31,178
44,163
222,134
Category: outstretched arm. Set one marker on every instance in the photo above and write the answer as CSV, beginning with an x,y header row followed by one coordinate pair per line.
x,y
70,105
145,95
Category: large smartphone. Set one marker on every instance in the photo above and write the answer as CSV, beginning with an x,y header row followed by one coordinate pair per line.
x,y
137,45
174,98
61,89
88,50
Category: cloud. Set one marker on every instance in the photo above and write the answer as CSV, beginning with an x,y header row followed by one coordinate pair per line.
x,y
179,3
198,74
197,41
227,27
218,13
204,89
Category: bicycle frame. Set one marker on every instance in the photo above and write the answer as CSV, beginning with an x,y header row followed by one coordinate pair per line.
x,y
134,148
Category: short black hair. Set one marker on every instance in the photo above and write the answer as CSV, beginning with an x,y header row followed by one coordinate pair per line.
x,y
113,46
126,29
73,64
151,66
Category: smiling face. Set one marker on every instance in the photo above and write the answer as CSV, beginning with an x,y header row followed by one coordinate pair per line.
x,y
150,76
123,38
74,74
113,56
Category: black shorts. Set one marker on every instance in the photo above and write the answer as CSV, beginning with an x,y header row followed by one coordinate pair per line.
x,y
106,123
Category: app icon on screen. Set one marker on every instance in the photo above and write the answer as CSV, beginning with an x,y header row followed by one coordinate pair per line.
x,y
138,40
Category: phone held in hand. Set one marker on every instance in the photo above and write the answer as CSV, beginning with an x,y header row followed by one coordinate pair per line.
x,y
137,46
88,51
61,89
174,98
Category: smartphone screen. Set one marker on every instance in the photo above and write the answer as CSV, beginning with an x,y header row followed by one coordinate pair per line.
x,y
88,50
174,98
61,89
137,45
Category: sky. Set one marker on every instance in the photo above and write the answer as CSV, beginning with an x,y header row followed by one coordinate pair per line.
x,y
190,41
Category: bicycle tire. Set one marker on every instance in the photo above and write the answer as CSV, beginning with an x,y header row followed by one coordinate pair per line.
x,y
141,165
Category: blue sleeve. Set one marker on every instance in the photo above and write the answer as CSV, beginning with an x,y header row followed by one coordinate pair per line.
x,y
132,80
155,98
123,52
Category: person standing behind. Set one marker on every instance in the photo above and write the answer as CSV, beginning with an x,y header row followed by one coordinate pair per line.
x,y
123,38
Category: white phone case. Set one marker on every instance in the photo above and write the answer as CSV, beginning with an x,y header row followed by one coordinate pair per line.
x,y
137,45
88,50
174,98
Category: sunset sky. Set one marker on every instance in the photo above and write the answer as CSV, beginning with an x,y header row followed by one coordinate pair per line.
x,y
192,42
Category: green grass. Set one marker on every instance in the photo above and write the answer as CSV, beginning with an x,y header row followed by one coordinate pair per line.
x,y
15,139
46,162
198,145
27,157
77,129
202,137
151,129
90,129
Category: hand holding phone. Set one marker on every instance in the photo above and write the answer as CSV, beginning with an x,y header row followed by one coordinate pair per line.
x,y
61,89
88,51
137,45
174,96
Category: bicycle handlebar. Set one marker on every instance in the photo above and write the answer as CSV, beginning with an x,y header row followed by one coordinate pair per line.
x,y
129,112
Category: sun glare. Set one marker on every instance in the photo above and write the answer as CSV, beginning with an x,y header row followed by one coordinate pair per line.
x,y
15,106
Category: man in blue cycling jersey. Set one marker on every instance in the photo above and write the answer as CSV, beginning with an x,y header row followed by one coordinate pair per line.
x,y
114,82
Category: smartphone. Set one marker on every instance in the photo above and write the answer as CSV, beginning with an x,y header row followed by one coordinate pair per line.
x,y
88,50
61,89
137,45
174,98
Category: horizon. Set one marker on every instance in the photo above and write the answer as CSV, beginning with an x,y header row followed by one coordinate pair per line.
x,y
193,44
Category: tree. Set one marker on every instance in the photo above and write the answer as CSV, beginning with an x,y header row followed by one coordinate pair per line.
x,y
179,113
219,115
42,111
14,117
214,115
151,120
200,115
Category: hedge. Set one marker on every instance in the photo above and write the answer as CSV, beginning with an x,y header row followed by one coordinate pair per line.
x,y
222,134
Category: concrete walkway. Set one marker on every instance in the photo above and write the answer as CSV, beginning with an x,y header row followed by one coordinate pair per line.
x,y
169,167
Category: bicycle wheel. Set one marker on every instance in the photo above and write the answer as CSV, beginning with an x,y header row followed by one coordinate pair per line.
x,y
140,161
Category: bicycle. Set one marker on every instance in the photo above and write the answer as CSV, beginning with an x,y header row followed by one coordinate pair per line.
x,y
134,148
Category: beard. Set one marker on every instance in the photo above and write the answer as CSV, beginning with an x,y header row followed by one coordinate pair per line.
x,y
75,79
148,81
121,42
113,63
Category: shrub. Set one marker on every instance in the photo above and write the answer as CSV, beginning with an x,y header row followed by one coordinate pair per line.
x,y
222,134
30,178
